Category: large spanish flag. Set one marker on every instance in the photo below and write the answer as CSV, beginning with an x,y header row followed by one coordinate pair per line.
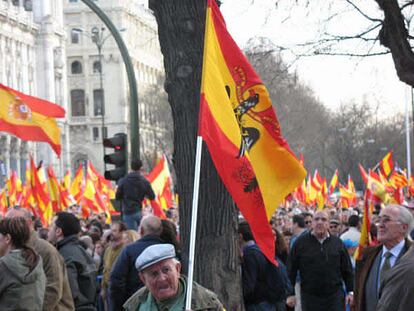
x,y
30,118
242,132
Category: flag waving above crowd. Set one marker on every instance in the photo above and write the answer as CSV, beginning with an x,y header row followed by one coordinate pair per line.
x,y
242,132
30,118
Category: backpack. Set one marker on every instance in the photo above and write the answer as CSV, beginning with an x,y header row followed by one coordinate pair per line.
x,y
277,281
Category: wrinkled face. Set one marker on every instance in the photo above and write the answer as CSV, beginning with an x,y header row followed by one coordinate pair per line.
x,y
162,279
320,223
390,230
4,244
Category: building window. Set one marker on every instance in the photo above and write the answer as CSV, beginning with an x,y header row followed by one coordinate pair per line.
x,y
95,133
74,36
77,99
76,67
28,5
73,1
97,68
97,102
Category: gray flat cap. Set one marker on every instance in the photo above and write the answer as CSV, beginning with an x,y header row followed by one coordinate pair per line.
x,y
153,254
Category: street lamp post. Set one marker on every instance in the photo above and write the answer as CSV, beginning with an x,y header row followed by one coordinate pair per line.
x,y
98,38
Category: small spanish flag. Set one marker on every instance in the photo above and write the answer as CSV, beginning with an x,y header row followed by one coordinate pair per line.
x,y
334,182
386,165
30,118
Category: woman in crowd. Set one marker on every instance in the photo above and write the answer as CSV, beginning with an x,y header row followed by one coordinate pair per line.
x,y
22,282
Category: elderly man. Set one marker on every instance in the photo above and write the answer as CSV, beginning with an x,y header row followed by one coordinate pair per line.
x,y
164,288
324,265
124,279
397,290
376,262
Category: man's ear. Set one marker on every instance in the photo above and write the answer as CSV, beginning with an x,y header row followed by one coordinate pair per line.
x,y
178,266
8,239
141,277
58,231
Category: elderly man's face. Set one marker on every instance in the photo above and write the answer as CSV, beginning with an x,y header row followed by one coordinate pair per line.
x,y
390,230
320,223
162,278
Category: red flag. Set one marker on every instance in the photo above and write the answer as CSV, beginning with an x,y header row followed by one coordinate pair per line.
x,y
242,132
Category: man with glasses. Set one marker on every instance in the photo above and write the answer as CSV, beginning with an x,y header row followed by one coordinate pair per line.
x,y
376,262
308,220
335,227
324,266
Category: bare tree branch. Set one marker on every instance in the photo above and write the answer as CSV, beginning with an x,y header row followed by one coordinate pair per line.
x,y
362,13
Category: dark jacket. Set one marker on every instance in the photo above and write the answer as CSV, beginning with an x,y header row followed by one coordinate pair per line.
x,y
132,189
397,291
82,273
323,267
124,279
20,288
261,280
58,296
362,269
201,299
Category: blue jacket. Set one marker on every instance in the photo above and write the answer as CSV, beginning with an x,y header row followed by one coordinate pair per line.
x,y
124,279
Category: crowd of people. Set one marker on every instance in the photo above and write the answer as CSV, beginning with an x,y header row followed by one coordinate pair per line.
x,y
318,249
97,265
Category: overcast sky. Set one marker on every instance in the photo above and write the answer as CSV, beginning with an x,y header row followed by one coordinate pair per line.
x,y
334,79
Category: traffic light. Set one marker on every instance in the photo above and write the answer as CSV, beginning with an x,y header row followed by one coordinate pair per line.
x,y
119,158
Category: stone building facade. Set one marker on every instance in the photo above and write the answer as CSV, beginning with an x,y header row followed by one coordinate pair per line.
x,y
32,60
85,71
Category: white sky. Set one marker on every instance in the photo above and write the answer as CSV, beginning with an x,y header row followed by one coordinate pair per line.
x,y
334,79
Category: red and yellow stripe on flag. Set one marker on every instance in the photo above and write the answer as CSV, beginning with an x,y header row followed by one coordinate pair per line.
x,y
242,132
386,165
334,182
160,179
365,239
30,118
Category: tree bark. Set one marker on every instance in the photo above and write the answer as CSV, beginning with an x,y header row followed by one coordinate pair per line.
x,y
181,35
394,35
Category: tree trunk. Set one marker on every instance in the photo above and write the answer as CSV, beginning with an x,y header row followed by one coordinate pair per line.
x,y
181,35
394,35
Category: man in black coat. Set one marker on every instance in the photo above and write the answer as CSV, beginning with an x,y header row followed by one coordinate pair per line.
x,y
324,265
80,266
131,191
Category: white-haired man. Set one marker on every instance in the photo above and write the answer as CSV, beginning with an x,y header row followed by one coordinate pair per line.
x,y
165,288
377,262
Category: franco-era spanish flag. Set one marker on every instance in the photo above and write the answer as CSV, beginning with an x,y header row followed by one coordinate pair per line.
x,y
242,132
30,118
